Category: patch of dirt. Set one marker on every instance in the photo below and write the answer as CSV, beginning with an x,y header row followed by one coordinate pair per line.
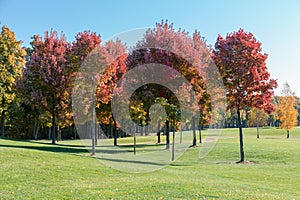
x,y
246,162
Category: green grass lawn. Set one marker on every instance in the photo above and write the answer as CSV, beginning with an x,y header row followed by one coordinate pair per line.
x,y
39,170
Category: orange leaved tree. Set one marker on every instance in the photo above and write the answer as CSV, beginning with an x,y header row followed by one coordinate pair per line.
x,y
286,111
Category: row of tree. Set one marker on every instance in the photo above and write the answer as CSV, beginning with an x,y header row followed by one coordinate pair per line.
x,y
37,83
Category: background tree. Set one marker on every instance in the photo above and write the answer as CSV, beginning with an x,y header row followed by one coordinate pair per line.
x,y
163,45
242,66
257,118
12,61
286,111
45,78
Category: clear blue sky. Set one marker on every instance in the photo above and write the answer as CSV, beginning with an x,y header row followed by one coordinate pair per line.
x,y
275,23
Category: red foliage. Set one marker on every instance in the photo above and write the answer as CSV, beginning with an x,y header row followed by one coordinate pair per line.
x,y
243,68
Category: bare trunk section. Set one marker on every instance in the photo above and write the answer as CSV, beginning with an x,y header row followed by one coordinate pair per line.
x,y
180,136
158,133
49,133
93,132
173,146
115,132
134,139
167,131
194,132
241,137
200,135
58,134
2,123
53,128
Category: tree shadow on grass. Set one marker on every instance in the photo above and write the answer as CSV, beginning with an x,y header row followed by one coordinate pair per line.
x,y
48,148
42,142
132,161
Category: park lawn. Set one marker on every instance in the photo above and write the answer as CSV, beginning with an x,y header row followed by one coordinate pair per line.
x,y
38,170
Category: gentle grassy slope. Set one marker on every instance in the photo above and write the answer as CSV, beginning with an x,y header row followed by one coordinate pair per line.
x,y
36,170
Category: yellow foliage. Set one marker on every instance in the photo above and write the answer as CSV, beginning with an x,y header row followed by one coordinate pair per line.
x,y
286,112
257,118
12,61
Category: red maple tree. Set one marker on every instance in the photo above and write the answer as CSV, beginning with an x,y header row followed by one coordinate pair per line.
x,y
242,66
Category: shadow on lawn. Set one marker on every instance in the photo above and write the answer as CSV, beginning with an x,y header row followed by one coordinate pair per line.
x,y
58,148
49,148
40,142
132,161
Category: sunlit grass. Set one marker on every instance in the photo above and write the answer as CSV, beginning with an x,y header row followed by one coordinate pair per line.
x,y
39,170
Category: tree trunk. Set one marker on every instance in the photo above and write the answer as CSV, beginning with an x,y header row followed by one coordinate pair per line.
x,y
122,128
241,136
167,131
194,132
115,132
134,139
36,132
257,133
200,135
49,133
53,129
158,133
288,134
2,123
93,131
96,134
173,146
180,136
58,134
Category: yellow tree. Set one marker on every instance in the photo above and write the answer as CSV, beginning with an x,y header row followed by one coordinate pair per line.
x,y
257,118
12,60
286,112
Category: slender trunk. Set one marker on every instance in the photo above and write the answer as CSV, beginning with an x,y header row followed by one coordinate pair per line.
x,y
241,136
158,133
53,129
288,134
106,130
142,131
147,130
58,134
200,135
167,131
115,132
173,146
96,134
49,133
257,131
122,128
134,139
36,132
2,123
112,131
92,128
180,136
194,132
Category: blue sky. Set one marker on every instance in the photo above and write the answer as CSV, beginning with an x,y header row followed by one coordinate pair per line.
x,y
276,24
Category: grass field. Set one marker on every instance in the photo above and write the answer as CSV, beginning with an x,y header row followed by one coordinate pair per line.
x,y
38,170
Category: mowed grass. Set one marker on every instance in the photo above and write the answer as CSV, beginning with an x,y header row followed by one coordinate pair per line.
x,y
38,170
